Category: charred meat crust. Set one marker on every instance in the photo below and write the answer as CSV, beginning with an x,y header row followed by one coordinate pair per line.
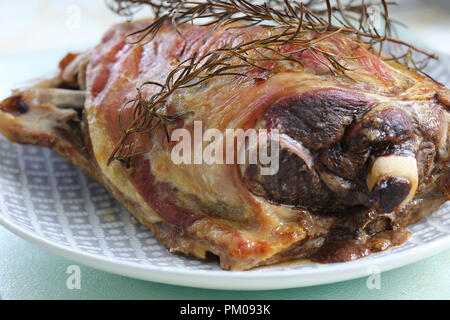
x,y
294,183
317,118
341,135
316,121
389,193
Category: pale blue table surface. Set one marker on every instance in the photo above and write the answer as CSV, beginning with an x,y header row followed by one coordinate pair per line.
x,y
27,272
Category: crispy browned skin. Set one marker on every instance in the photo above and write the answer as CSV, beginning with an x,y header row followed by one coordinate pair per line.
x,y
333,198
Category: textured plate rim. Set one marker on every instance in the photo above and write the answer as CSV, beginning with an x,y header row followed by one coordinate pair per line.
x,y
236,280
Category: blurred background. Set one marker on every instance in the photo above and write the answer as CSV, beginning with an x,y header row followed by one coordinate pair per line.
x,y
45,30
43,25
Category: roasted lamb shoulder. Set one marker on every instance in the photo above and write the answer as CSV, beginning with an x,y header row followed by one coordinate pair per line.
x,y
362,156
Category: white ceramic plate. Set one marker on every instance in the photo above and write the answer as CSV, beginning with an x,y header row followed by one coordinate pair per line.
x,y
52,204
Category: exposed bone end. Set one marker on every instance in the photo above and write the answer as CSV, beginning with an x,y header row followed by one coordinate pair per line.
x,y
60,98
392,181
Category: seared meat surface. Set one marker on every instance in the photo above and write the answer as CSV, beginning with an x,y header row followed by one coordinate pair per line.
x,y
361,157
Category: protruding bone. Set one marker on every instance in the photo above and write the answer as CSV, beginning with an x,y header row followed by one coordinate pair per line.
x,y
60,98
393,181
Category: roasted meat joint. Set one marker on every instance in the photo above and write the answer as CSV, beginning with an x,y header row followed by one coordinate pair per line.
x,y
359,139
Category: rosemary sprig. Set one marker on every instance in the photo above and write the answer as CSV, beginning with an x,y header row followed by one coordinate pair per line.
x,y
197,69
288,21
278,12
